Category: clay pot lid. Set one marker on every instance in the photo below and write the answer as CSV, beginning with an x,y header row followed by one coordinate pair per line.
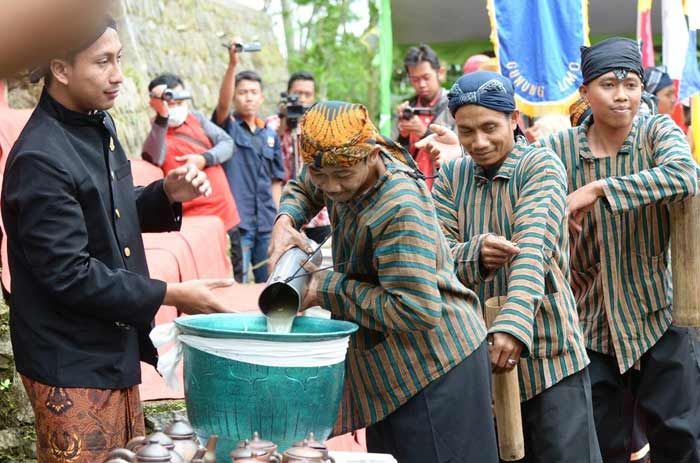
x,y
257,443
304,453
153,452
163,439
241,452
180,430
244,450
310,441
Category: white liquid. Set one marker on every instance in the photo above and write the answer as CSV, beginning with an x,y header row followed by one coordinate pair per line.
x,y
280,320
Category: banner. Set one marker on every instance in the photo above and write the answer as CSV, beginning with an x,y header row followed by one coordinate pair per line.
x,y
537,43
386,47
675,37
690,80
644,35
695,125
675,45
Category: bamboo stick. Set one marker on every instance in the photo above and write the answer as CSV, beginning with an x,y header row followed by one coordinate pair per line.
x,y
506,398
685,262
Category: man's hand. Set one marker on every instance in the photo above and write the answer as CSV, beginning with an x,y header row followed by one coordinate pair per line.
x,y
533,133
185,183
197,160
496,251
442,145
581,202
232,53
413,125
157,102
310,298
196,296
505,351
399,110
284,236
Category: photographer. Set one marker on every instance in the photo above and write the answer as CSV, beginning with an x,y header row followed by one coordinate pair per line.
x,y
428,106
300,96
179,136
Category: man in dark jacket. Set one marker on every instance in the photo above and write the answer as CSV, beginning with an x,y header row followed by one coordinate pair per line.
x,y
82,302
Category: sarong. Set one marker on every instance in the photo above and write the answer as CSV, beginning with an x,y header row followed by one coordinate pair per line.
x,y
82,425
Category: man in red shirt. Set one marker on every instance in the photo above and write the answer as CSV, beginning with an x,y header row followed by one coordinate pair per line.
x,y
179,136
425,74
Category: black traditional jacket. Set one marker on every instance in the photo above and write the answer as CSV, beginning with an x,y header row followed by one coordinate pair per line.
x,y
82,302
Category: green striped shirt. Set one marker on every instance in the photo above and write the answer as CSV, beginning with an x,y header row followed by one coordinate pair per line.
x,y
393,276
619,262
524,202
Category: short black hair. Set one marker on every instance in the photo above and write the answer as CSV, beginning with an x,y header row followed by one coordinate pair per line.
x,y
249,75
423,52
167,79
300,75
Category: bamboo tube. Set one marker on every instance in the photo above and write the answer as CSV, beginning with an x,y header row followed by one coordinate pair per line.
x,y
506,398
685,262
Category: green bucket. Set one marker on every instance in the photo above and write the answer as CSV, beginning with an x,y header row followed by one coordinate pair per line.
x,y
233,398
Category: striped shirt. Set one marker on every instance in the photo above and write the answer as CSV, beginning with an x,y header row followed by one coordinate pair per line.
x,y
394,277
525,202
619,262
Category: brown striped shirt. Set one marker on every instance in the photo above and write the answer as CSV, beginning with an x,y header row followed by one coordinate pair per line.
x,y
619,262
525,202
393,276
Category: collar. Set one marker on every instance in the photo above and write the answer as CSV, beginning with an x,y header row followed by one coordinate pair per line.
x,y
259,123
585,150
435,101
68,116
367,198
505,171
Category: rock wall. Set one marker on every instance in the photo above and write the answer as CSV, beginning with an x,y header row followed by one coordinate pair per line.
x,y
183,37
16,417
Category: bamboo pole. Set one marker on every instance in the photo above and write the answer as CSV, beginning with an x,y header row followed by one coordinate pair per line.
x,y
685,262
506,398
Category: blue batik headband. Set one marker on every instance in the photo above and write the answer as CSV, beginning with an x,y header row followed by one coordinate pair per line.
x,y
487,89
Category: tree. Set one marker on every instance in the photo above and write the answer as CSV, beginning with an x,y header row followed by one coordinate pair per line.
x,y
327,38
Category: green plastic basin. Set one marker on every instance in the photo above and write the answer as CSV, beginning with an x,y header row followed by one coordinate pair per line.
x,y
233,399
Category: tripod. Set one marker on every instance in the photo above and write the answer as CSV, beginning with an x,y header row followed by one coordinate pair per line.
x,y
293,126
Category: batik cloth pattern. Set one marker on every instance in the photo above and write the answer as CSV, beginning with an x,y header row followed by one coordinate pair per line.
x,y
81,425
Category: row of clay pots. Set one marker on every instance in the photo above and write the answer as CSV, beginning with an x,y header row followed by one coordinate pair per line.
x,y
178,444
256,450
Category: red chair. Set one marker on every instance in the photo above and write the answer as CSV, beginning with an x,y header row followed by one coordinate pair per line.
x,y
12,121
145,173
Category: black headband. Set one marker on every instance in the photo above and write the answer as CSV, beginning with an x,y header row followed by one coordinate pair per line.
x,y
610,55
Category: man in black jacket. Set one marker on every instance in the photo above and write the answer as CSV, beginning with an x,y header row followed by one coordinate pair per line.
x,y
82,302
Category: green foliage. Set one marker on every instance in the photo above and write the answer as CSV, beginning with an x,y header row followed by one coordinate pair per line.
x,y
341,59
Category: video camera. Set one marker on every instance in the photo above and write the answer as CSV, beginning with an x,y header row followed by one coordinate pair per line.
x,y
244,47
293,110
172,95
408,112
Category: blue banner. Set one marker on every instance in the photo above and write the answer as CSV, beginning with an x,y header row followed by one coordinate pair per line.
x,y
537,43
690,82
